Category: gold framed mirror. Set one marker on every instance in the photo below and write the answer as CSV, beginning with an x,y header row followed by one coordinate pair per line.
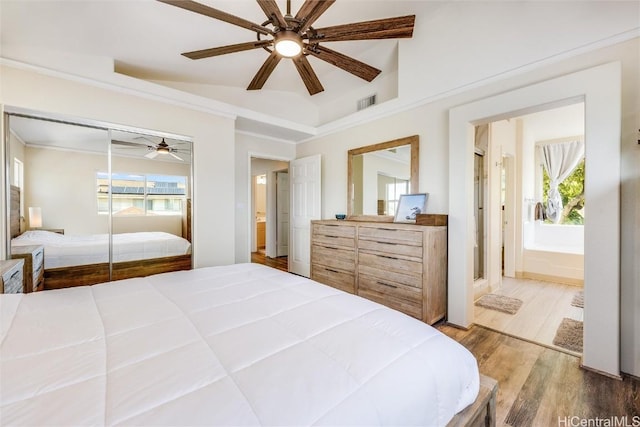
x,y
377,174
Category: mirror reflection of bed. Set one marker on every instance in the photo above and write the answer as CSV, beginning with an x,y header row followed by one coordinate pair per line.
x,y
95,229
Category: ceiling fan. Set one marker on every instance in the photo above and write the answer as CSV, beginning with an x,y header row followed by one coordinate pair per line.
x,y
162,148
294,37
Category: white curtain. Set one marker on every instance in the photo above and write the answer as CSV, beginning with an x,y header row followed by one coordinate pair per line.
x,y
559,161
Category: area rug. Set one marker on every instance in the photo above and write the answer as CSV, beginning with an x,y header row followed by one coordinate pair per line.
x,y
569,335
500,303
578,299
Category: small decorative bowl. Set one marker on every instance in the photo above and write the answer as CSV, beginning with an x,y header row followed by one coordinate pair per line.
x,y
340,216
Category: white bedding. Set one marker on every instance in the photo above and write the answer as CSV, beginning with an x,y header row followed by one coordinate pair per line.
x,y
66,250
235,345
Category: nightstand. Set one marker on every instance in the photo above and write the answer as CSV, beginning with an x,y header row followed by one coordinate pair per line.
x,y
11,278
33,256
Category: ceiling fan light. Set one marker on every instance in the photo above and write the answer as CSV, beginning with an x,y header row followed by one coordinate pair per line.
x,y
288,43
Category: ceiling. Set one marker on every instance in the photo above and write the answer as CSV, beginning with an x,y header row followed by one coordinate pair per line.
x,y
144,39
137,45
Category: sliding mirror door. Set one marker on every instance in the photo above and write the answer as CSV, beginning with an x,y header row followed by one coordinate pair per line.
x,y
91,204
55,226
150,203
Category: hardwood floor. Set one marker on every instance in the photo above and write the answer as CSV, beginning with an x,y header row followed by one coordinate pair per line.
x,y
281,263
540,386
544,306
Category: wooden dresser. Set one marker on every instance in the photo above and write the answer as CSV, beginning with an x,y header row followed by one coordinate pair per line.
x,y
11,276
33,266
403,266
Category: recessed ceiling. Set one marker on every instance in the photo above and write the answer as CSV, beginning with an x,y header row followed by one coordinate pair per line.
x,y
144,39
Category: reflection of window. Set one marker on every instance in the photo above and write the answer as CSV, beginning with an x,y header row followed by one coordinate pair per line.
x,y
135,194
393,189
572,193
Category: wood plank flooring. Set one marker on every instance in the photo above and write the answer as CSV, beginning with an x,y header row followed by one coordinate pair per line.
x,y
540,386
281,263
544,306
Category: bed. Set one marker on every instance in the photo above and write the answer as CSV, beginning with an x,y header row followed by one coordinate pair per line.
x,y
84,259
242,344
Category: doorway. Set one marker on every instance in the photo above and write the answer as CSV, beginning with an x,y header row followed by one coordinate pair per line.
x,y
601,85
269,209
544,272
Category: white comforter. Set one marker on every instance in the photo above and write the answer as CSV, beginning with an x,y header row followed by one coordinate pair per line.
x,y
235,345
67,250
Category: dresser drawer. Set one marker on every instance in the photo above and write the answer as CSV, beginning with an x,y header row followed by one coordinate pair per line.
x,y
391,235
334,235
12,277
391,288
405,306
390,248
38,262
330,256
345,281
388,264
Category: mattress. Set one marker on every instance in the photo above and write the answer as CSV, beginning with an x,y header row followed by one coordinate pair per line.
x,y
69,250
234,345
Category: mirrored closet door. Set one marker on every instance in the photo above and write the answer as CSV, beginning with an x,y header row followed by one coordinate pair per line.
x,y
90,204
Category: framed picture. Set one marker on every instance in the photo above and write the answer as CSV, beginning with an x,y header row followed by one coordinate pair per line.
x,y
409,206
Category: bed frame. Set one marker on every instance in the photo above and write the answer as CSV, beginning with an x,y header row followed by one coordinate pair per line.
x,y
90,274
482,412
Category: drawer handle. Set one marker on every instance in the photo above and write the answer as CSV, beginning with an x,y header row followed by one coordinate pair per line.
x,y
387,285
15,274
387,256
386,243
332,270
330,247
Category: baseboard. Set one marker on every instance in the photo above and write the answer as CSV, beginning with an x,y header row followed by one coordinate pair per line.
x,y
549,278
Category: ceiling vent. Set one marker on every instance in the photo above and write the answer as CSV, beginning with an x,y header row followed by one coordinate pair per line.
x,y
366,102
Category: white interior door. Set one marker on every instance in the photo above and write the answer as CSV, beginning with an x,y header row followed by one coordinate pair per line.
x,y
305,185
282,205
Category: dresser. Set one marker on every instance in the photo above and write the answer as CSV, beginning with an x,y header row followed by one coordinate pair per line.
x,y
33,266
11,276
403,266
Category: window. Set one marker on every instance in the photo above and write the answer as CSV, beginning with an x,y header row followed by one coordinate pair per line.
x,y
572,192
135,194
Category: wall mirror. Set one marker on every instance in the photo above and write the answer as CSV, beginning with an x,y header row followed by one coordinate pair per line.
x,y
90,204
378,174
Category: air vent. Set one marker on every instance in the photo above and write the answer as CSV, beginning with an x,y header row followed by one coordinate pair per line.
x,y
366,102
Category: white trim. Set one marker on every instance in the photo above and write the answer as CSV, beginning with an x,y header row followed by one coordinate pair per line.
x,y
600,87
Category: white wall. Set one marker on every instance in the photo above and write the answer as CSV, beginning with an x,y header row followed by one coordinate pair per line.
x,y
430,121
213,136
248,146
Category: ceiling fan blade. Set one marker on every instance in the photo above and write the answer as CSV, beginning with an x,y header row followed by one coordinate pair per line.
x,y
307,74
176,156
128,144
310,11
389,28
223,50
151,154
217,14
265,71
355,67
271,9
